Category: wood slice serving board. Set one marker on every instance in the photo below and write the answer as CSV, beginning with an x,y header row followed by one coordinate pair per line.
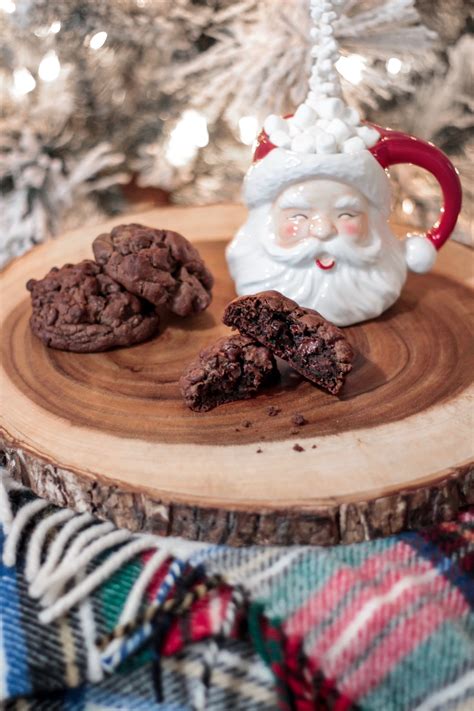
x,y
109,433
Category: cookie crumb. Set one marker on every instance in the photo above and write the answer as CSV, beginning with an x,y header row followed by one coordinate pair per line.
x,y
272,411
259,450
246,423
298,448
299,420
315,446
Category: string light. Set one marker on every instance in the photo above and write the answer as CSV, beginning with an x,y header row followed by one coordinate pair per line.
x,y
351,67
98,40
7,6
408,206
49,67
189,134
393,65
53,28
248,128
23,81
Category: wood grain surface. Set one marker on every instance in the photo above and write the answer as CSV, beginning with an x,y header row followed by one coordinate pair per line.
x,y
109,432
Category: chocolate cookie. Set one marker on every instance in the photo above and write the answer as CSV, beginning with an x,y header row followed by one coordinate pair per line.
x,y
161,266
302,337
233,368
79,308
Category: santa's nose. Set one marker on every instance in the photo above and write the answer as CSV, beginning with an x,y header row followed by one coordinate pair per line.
x,y
321,226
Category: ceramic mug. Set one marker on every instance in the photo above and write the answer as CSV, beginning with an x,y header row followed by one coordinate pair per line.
x,y
347,265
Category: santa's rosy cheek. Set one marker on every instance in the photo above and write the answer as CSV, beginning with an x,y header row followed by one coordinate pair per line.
x,y
352,228
290,230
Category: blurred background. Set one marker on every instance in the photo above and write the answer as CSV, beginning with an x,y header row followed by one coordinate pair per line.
x,y
113,106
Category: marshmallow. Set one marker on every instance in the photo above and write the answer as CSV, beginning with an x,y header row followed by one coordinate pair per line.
x,y
339,130
324,66
280,139
303,143
293,129
322,124
304,116
329,89
274,123
369,135
327,30
328,49
325,143
330,108
353,145
351,116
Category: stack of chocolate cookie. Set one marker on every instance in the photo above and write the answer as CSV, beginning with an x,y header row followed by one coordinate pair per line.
x,y
270,325
114,301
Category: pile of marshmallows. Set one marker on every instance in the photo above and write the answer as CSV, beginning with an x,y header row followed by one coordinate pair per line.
x,y
331,128
323,123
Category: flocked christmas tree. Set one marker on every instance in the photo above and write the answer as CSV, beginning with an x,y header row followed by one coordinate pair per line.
x,y
174,91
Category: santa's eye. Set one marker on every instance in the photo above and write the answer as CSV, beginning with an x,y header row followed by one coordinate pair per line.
x,y
298,216
347,215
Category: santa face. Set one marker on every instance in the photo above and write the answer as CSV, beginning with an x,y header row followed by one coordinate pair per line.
x,y
321,210
324,245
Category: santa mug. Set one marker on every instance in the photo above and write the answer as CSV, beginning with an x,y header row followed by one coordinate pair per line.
x,y
317,228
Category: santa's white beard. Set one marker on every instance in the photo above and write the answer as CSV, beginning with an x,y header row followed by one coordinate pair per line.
x,y
364,282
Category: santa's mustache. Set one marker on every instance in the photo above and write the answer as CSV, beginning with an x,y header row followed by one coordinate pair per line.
x,y
340,248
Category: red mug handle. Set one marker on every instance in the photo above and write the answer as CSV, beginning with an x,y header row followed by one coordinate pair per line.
x,y
397,147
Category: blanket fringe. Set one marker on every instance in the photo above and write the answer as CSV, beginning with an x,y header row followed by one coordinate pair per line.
x,y
60,547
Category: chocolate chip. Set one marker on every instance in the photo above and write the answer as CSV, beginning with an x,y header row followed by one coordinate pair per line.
x,y
299,420
272,411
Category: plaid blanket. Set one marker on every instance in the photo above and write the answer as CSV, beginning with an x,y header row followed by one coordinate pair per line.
x,y
386,625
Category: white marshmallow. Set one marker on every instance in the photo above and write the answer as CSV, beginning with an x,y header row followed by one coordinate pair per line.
x,y
330,108
280,139
322,124
304,116
293,129
340,130
324,66
325,143
327,50
303,143
369,135
353,145
329,16
351,116
329,88
274,123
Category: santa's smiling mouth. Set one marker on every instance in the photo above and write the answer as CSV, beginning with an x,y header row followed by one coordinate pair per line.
x,y
325,263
